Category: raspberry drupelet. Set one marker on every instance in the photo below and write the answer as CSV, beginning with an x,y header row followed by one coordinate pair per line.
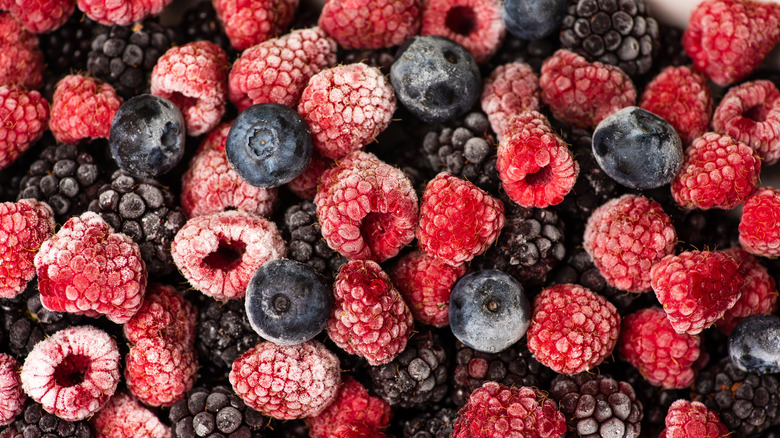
x,y
121,12
164,313
250,22
370,24
509,90
353,404
123,417
41,16
24,226
82,107
12,397
759,226
687,419
160,371
21,59
759,291
25,114
475,24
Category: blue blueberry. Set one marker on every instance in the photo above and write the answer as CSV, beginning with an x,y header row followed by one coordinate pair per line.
x,y
754,344
637,148
269,145
147,136
489,310
533,19
287,302
435,78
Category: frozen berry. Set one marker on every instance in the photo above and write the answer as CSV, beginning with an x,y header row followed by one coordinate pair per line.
x,y
753,344
533,20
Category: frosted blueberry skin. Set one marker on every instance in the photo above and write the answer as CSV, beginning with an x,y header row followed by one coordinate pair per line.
x,y
533,19
147,136
489,310
435,78
269,145
754,344
637,148
287,302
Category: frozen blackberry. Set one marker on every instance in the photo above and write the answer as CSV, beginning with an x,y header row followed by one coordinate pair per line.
x,y
217,412
432,424
145,210
306,244
65,49
532,52
224,334
698,229
200,23
655,400
34,421
617,32
380,58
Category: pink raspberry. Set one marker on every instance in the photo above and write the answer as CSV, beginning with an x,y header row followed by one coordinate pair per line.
x,y
278,70
353,404
759,226
21,60
87,268
250,22
287,382
346,107
687,419
511,89
219,253
759,292
12,396
121,12
305,185
123,417
160,372
40,16
474,24
24,226
82,108
165,314
194,77
370,24
25,115
73,372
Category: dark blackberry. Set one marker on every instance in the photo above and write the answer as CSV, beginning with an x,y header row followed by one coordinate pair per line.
x,y
432,424
700,229
306,244
532,52
65,50
671,52
224,334
34,421
380,58
415,378
617,32
747,403
145,210
200,23
655,400
218,412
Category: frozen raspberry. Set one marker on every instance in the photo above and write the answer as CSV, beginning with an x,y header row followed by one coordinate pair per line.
x,y
21,60
476,25
82,107
458,220
356,430
88,269
346,107
759,292
219,253
121,12
353,404
24,226
717,172
572,329
210,184
696,288
73,372
728,39
510,90
759,226
278,70
160,372
165,314
12,397
287,382
40,16
367,209
582,93
687,419
123,417
368,318
625,237
750,113
250,22
534,164
305,185
25,115
426,283
370,24
664,357
682,97
495,410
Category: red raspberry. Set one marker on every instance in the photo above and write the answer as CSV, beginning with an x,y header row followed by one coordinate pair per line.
x,y
368,318
534,164
686,419
160,372
21,60
696,288
458,220
511,89
25,115
219,253
497,411
663,357
250,22
717,172
582,93
121,12
352,405
759,226
346,107
572,329
12,396
625,237
426,283
123,417
759,292
210,185
278,70
40,16
164,314
750,113
287,382
73,372
82,107
194,77
370,24
681,96
728,39
356,430
474,24
305,185
87,268
24,226
367,209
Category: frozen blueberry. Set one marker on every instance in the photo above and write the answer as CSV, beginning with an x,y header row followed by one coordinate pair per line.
x,y
287,302
435,78
533,19
489,310
147,136
637,148
754,344
269,145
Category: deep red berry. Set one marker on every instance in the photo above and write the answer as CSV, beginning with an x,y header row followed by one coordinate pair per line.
x,y
12,397
305,185
759,292
121,12
164,314
250,22
25,115
21,60
353,405
159,372
24,226
370,24
509,90
474,24
123,417
40,16
687,419
82,108
759,226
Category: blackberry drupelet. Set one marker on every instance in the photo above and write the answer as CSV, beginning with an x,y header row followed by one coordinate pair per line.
x,y
670,52
224,334
306,245
145,210
655,400
437,423
200,23
532,52
380,58
217,412
65,50
34,421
